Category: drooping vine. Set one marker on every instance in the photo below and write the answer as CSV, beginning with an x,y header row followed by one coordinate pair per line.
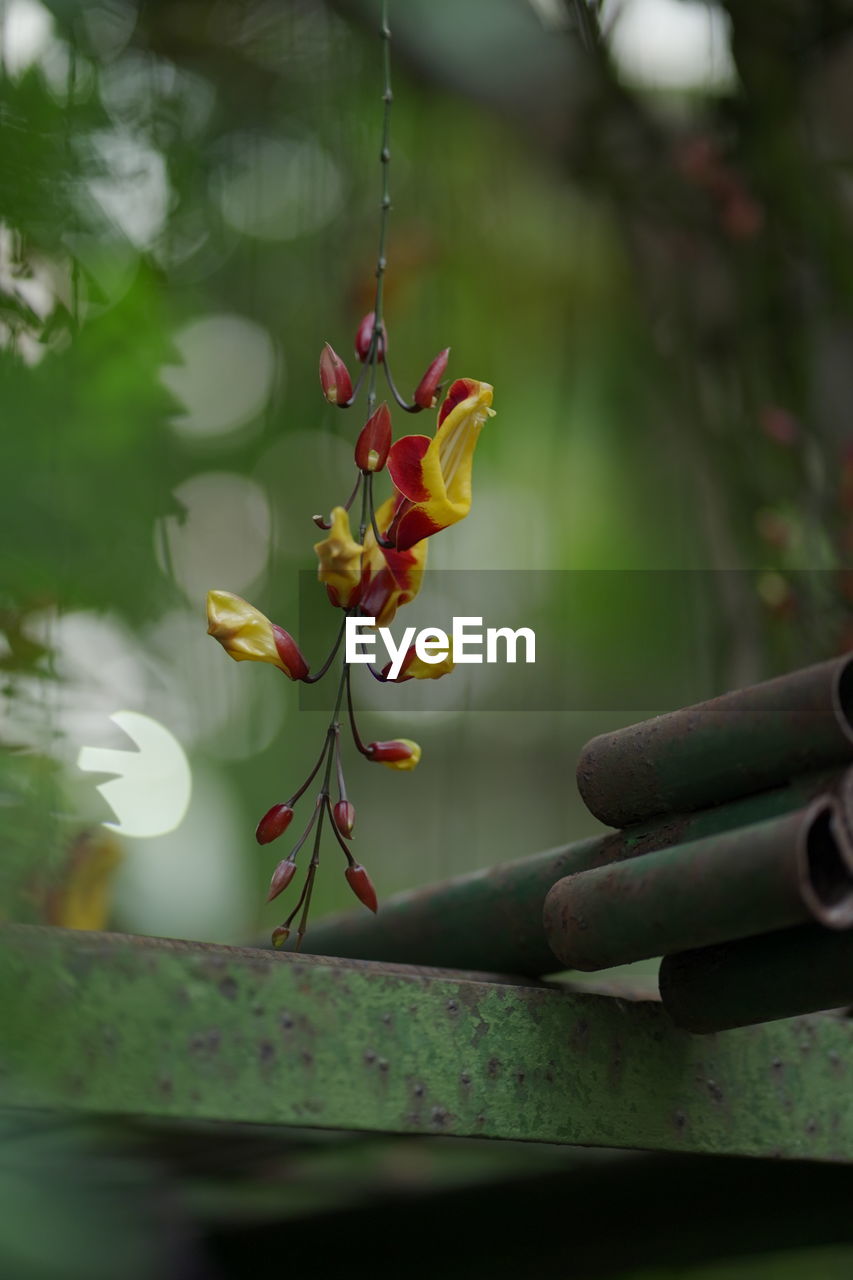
x,y
370,576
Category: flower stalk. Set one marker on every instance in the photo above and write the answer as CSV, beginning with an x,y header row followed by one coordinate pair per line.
x,y
370,572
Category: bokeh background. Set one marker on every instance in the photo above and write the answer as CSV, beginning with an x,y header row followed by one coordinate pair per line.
x,y
632,217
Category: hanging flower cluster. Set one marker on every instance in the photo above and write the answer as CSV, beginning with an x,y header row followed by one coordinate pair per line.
x,y
370,574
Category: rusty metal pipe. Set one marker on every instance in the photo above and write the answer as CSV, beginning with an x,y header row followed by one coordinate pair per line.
x,y
752,880
492,919
776,975
746,741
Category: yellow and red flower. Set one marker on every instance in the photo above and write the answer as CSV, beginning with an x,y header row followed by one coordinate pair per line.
x,y
432,479
433,476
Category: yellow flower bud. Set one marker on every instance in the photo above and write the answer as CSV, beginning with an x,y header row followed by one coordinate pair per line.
x,y
246,634
399,753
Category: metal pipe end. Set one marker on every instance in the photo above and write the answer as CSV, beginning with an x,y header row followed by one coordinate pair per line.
x,y
826,864
844,794
842,696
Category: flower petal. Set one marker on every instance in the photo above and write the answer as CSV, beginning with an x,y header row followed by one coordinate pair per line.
x,y
405,462
435,480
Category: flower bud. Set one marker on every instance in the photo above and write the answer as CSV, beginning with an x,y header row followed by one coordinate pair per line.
x,y
344,817
274,823
364,337
360,883
281,878
247,635
280,936
372,446
426,391
334,377
398,753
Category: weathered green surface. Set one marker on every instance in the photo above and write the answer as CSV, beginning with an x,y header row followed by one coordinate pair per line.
x,y
111,1024
492,919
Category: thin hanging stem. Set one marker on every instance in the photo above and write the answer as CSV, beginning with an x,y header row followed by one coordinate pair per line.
x,y
71,91
327,741
351,499
338,836
322,523
322,805
327,754
366,512
358,385
309,883
385,206
311,776
398,396
380,540
290,919
339,766
305,834
356,737
312,679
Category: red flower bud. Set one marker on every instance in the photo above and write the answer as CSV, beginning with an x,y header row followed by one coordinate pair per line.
x,y
364,337
426,391
344,817
274,823
281,878
334,377
280,936
359,882
288,651
374,443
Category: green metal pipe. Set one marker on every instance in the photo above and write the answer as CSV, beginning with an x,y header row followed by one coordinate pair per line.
x,y
492,919
754,879
777,975
746,741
